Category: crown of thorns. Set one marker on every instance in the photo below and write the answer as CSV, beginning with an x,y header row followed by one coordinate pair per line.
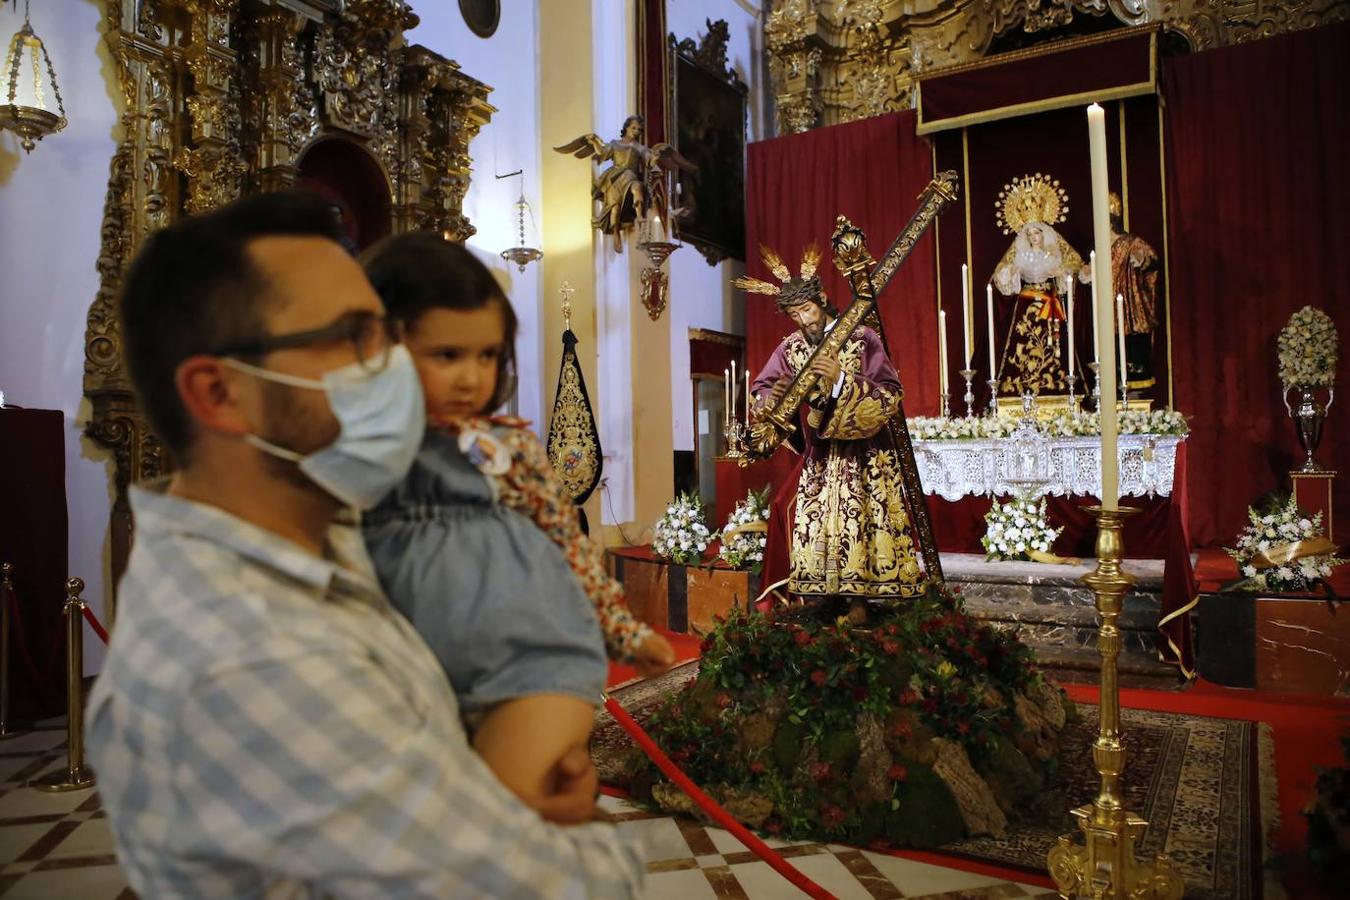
x,y
805,288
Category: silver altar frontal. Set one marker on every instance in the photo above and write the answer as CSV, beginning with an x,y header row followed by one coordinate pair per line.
x,y
953,469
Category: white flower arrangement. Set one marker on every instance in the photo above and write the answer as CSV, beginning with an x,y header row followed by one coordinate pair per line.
x,y
681,535
743,549
1281,523
1016,528
1157,421
1308,346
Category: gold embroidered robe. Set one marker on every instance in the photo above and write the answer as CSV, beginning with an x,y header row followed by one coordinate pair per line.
x,y
851,533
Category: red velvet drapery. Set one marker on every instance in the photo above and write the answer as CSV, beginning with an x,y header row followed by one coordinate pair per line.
x,y
1258,193
871,171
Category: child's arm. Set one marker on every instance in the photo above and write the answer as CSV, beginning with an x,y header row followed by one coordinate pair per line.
x,y
533,489
523,740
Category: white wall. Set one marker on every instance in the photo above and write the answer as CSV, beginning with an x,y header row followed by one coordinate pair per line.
x,y
51,210
701,295
508,62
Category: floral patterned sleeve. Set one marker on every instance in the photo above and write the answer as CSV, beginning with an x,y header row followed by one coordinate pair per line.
x,y
531,488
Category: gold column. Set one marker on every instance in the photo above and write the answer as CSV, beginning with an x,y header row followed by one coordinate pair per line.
x,y
1104,866
76,775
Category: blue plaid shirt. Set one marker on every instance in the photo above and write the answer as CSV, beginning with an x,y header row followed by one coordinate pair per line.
x,y
267,725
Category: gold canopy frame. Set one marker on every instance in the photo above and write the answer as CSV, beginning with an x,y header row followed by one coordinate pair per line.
x,y
224,98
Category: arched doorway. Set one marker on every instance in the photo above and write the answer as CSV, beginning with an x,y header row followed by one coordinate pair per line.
x,y
347,175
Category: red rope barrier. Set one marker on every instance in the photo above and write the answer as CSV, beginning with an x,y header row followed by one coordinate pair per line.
x,y
95,624
708,805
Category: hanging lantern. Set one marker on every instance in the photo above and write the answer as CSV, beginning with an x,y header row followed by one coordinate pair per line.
x,y
522,255
25,84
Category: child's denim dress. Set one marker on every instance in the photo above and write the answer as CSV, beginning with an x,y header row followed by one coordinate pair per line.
x,y
488,591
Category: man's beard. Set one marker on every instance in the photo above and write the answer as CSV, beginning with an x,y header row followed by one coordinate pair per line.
x,y
814,334
290,423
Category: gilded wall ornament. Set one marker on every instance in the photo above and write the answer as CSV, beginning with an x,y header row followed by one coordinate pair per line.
x,y
224,97
834,61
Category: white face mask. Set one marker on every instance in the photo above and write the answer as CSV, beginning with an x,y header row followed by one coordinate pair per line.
x,y
382,416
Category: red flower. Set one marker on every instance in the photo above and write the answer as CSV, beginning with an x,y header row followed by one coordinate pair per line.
x,y
818,677
803,639
897,772
773,826
723,700
902,730
706,644
821,772
907,697
963,727
892,629
832,816
889,647
956,589
860,693
757,767
930,705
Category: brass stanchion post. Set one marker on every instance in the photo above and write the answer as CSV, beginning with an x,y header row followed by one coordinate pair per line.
x,y
76,775
7,730
1104,866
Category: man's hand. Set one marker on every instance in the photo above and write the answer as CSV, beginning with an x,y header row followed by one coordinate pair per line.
x,y
776,393
827,367
575,789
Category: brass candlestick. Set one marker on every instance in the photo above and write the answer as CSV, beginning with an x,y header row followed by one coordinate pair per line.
x,y
1104,866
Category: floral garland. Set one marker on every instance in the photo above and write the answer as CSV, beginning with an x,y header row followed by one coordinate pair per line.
x,y
744,549
681,535
1308,349
1157,421
1016,529
1282,522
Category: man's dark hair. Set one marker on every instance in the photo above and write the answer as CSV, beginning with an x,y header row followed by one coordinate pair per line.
x,y
193,287
421,271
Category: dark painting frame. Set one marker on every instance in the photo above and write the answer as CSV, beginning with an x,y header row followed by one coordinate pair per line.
x,y
710,105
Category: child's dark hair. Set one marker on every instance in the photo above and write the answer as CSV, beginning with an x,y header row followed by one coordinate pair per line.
x,y
421,271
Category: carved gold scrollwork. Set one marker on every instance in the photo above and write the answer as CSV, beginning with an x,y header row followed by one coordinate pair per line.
x,y
834,61
221,98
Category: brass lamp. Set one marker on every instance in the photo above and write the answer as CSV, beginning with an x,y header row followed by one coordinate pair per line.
x,y
31,119
521,255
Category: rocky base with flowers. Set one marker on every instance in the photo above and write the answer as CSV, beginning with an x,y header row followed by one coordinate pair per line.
x,y
919,727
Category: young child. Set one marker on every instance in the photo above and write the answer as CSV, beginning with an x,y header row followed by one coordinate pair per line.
x,y
480,547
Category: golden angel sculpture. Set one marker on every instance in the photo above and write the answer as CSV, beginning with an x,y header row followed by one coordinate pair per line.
x,y
636,181
1037,271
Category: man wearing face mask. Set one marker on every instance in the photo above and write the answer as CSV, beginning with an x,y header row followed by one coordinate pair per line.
x,y
265,723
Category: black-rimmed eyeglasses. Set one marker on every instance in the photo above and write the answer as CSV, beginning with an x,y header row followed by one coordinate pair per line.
x,y
372,336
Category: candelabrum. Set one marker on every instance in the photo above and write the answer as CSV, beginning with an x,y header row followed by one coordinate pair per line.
x,y
1073,396
969,397
946,406
735,434
1096,369
993,396
1104,865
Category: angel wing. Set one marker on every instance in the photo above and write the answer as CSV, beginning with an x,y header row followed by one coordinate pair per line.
x,y
584,146
668,158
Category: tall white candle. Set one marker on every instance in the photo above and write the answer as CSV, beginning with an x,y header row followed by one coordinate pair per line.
x,y
659,231
1092,267
733,388
1071,326
966,328
942,349
726,398
1103,295
747,398
989,301
1120,330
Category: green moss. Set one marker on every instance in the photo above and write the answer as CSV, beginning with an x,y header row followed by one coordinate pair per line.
x,y
840,750
788,742
927,815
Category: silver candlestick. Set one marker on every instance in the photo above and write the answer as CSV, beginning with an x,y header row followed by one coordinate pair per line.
x,y
993,396
946,407
735,445
969,396
1073,396
1096,369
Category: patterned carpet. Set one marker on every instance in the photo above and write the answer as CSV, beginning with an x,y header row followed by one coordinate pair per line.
x,y
1196,780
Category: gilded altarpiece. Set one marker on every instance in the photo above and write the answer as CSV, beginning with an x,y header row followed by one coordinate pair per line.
x,y
833,61
223,98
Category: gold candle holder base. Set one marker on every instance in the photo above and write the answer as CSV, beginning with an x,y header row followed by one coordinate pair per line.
x,y
1104,866
65,780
